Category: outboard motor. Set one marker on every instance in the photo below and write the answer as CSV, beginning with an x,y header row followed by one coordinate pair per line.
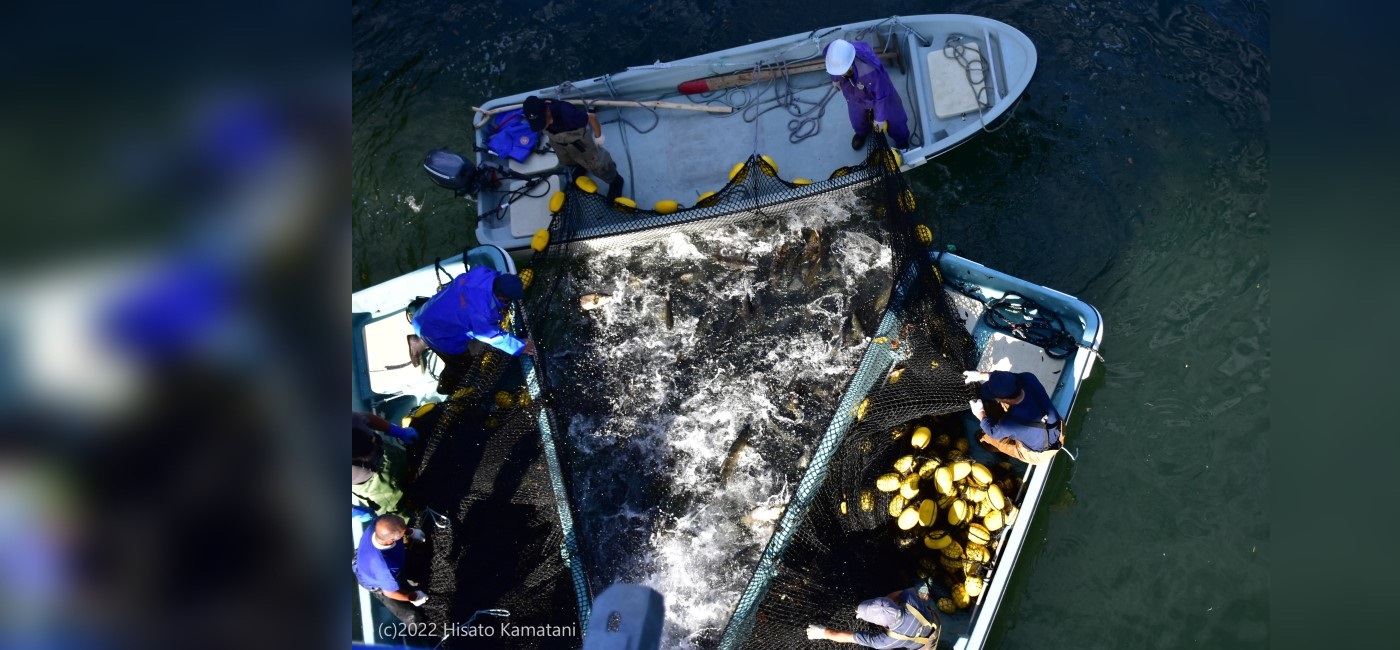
x,y
456,173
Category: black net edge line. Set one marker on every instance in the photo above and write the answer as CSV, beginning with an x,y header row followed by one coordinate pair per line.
x,y
805,496
623,220
537,383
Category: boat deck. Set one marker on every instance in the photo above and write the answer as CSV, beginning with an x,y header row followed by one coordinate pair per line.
x,y
1000,351
798,119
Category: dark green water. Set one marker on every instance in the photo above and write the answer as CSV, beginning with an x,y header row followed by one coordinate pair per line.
x,y
1134,175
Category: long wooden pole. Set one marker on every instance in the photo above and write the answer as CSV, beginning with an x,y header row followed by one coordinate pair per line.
x,y
485,113
747,77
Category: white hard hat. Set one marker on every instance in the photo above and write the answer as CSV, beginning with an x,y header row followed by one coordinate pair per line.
x,y
839,57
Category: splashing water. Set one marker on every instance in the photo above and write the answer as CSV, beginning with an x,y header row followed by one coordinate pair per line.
x,y
698,391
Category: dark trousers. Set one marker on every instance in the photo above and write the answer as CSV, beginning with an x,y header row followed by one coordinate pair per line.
x,y
456,366
402,609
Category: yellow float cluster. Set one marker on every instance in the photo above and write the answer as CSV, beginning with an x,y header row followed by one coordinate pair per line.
x,y
956,506
737,174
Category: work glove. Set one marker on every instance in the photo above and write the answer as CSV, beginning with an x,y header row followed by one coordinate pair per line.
x,y
972,377
598,139
880,126
419,599
815,632
416,535
408,435
975,405
361,513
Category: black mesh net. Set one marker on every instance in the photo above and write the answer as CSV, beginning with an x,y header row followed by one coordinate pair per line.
x,y
715,317
843,538
484,470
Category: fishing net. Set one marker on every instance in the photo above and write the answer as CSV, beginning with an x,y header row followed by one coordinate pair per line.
x,y
720,295
485,469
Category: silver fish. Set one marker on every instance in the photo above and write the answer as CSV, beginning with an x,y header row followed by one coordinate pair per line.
x,y
813,254
855,334
783,259
734,263
883,300
594,300
767,514
731,460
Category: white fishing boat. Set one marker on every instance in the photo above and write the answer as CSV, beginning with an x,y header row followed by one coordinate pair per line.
x,y
677,129
1062,369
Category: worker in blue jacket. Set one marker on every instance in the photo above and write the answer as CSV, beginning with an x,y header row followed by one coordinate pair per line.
x,y
1031,428
869,93
464,319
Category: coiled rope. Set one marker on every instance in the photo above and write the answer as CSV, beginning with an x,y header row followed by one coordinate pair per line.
x,y
975,68
1026,320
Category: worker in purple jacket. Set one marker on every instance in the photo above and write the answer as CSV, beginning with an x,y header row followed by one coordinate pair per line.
x,y
857,71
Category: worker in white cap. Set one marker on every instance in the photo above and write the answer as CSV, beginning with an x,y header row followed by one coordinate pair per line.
x,y
871,99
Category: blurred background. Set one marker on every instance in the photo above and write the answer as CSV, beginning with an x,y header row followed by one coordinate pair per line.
x,y
174,187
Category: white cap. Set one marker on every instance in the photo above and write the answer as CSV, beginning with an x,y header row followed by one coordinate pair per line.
x,y
839,57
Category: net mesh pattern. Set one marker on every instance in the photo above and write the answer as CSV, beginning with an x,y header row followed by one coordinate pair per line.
x,y
837,543
484,468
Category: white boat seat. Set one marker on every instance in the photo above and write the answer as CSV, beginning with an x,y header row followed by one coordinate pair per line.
x,y
953,94
529,214
386,353
535,163
1000,351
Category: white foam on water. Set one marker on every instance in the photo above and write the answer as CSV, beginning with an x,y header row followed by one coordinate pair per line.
x,y
701,544
860,253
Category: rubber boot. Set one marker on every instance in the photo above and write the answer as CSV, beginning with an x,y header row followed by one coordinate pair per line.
x,y
615,188
858,142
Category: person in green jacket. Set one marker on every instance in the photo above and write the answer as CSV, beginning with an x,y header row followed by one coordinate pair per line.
x,y
379,470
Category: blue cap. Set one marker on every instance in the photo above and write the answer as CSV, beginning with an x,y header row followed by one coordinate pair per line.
x,y
534,109
509,286
1000,385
